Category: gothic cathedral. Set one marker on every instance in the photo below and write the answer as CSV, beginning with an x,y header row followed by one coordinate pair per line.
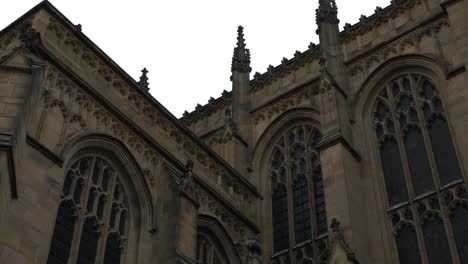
x,y
353,151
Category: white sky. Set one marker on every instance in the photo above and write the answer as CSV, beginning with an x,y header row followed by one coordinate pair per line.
x,y
187,45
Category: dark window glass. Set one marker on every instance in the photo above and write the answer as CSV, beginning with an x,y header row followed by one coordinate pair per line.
x,y
444,152
418,162
113,250
436,241
63,234
407,244
393,172
319,196
88,243
460,230
302,225
280,219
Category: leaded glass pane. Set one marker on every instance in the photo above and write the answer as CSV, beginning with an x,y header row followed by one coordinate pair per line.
x,y
113,249
88,243
436,241
459,219
320,210
407,244
301,203
280,219
414,105
393,172
91,191
295,172
418,162
63,234
444,152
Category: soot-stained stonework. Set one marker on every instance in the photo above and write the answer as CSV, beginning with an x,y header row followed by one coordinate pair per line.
x,y
352,151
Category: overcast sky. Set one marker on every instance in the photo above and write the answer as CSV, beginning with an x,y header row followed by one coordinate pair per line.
x,y
187,45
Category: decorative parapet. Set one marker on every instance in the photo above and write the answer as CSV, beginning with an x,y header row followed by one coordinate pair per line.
x,y
286,67
381,16
154,115
394,48
285,103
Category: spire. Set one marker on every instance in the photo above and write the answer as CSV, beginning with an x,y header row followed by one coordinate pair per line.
x,y
143,83
327,12
241,58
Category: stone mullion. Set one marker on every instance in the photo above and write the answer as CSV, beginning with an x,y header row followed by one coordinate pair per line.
x,y
407,174
435,174
79,224
289,194
106,218
312,191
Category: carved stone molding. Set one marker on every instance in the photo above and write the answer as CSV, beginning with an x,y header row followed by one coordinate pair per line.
x,y
128,90
287,103
396,47
237,228
381,15
81,113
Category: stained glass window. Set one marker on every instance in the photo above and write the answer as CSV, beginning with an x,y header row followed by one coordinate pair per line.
x,y
91,188
296,178
419,161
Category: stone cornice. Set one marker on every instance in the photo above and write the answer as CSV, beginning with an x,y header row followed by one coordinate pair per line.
x,y
335,139
146,105
397,44
287,101
381,15
300,59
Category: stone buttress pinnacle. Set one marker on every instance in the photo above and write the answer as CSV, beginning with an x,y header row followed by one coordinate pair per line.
x,y
241,57
327,12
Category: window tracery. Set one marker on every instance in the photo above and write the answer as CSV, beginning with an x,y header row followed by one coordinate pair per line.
x,y
423,179
208,250
91,223
297,196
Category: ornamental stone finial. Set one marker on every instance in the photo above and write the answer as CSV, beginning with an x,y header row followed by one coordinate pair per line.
x,y
327,12
143,83
241,58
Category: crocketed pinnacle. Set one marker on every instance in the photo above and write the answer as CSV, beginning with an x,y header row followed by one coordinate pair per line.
x,y
241,58
327,12
143,83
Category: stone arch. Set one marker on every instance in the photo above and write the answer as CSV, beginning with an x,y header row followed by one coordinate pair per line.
x,y
142,218
116,149
363,108
261,163
433,67
273,131
211,227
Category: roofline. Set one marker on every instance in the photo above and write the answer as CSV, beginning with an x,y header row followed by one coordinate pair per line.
x,y
82,37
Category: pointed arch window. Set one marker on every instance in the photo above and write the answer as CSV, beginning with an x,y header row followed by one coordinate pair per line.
x,y
421,171
91,222
298,203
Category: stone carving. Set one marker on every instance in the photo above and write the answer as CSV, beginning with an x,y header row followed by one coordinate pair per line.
x,y
241,58
143,83
337,236
211,206
79,108
151,114
397,47
287,103
380,16
327,12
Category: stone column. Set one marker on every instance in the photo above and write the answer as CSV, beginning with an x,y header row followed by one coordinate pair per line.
x,y
186,235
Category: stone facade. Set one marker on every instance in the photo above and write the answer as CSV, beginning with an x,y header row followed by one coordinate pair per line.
x,y
200,189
